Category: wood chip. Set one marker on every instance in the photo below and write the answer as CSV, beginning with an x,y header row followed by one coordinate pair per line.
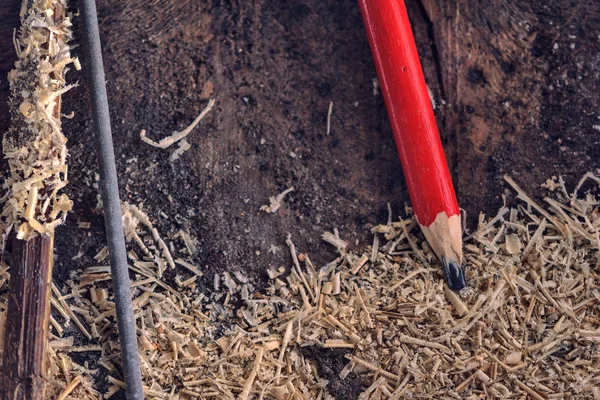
x,y
177,136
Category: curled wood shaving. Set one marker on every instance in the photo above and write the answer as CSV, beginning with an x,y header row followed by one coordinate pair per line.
x,y
177,136
34,145
276,201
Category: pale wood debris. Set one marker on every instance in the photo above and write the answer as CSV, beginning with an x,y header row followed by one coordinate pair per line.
x,y
34,146
74,383
329,112
190,243
250,380
454,298
276,201
334,240
177,136
184,146
526,327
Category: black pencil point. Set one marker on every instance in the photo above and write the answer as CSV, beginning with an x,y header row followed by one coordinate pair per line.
x,y
454,275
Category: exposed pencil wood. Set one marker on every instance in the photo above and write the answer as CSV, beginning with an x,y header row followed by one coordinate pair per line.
x,y
445,236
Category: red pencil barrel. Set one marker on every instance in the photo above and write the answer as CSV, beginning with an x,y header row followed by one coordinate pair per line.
x,y
409,109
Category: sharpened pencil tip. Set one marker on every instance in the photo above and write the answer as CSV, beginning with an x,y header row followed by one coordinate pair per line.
x,y
454,275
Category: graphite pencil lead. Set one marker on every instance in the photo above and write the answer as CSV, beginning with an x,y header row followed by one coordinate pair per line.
x,y
455,277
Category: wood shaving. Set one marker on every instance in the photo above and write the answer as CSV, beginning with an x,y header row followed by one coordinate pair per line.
x,y
34,145
177,136
526,327
184,146
329,112
276,201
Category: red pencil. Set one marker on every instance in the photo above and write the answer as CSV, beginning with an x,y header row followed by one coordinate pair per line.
x,y
415,130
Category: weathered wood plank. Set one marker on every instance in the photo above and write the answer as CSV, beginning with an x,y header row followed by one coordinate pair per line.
x,y
23,372
507,102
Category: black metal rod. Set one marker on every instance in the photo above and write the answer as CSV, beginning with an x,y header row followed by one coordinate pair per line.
x,y
94,68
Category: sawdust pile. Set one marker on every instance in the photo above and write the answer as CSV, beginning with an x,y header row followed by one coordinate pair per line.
x,y
34,145
528,326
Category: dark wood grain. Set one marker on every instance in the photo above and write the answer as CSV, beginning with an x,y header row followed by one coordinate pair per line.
x,y
508,101
23,372
519,79
515,82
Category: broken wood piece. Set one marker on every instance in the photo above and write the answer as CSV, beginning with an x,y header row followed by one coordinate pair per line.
x,y
177,136
419,342
454,299
74,383
388,375
250,379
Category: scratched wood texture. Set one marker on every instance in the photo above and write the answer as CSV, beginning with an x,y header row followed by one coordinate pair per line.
x,y
23,369
516,86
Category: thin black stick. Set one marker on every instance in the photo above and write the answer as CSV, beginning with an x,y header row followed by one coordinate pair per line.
x,y
112,204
